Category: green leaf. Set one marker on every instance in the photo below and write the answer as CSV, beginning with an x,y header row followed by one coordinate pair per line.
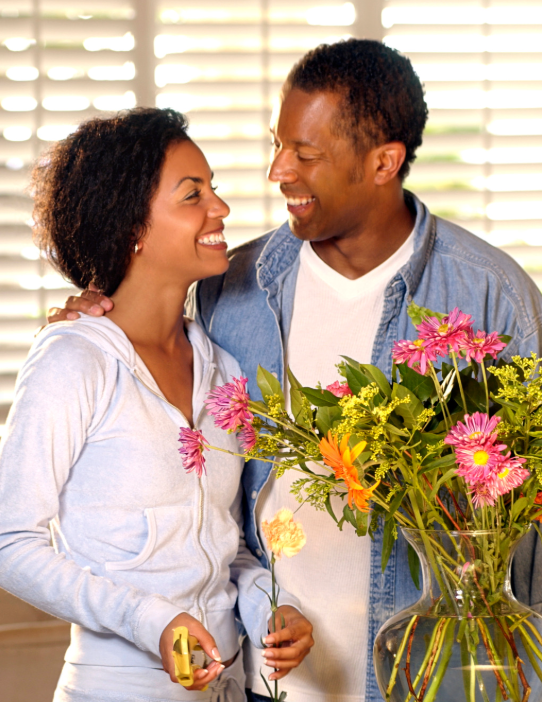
x,y
362,521
439,482
417,314
330,508
408,411
421,385
414,566
395,430
326,416
388,541
519,505
442,462
474,394
378,377
266,684
268,384
282,696
296,401
350,516
320,398
395,504
356,379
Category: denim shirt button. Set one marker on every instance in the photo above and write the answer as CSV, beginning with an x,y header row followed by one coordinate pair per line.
x,y
254,494
258,552
409,298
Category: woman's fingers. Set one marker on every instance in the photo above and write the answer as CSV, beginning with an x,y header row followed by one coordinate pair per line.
x,y
204,676
205,640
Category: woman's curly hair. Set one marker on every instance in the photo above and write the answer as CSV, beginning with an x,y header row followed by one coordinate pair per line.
x,y
382,97
93,190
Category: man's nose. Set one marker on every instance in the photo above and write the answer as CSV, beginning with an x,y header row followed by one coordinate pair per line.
x,y
281,169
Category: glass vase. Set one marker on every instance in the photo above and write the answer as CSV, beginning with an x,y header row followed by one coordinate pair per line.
x,y
467,639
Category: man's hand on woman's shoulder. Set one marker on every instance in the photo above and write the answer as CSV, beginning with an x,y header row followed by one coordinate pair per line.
x,y
90,301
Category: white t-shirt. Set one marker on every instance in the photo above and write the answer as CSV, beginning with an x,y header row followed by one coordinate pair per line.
x,y
332,317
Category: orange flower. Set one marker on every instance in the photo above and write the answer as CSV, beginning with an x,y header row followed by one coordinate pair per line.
x,y
284,536
341,459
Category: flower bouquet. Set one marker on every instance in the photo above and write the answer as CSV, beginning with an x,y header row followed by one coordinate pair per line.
x,y
451,454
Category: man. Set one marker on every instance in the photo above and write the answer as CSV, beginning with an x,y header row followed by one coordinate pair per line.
x,y
337,280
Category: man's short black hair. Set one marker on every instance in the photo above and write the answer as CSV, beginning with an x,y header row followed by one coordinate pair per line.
x,y
382,97
93,191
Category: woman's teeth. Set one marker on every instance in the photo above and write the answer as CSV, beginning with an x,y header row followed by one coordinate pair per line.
x,y
296,201
211,239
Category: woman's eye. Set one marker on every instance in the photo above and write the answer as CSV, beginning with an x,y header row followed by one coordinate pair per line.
x,y
214,188
193,195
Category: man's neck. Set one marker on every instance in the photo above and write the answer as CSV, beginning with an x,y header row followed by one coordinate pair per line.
x,y
358,254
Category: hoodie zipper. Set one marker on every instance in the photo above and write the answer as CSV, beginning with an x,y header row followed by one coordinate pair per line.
x,y
201,615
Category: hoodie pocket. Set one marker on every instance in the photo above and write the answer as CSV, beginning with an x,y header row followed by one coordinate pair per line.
x,y
170,544
147,550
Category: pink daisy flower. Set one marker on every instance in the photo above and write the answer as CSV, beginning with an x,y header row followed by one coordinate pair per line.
x,y
228,404
339,389
416,354
477,462
247,437
193,444
448,332
478,428
483,495
480,345
510,474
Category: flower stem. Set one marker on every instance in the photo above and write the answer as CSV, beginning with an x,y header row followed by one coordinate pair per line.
x,y
399,655
454,359
484,375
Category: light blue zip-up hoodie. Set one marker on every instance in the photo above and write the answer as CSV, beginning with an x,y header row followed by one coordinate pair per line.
x,y
91,448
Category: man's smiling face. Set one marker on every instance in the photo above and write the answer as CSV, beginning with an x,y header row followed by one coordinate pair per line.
x,y
320,174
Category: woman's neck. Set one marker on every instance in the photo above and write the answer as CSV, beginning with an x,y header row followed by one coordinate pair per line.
x,y
150,312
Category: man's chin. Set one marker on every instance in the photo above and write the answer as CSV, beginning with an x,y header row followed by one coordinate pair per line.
x,y
304,233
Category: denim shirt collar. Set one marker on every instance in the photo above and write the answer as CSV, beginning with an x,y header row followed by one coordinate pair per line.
x,y
282,249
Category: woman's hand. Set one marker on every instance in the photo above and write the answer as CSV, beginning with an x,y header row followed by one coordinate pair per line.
x,y
295,641
90,301
203,676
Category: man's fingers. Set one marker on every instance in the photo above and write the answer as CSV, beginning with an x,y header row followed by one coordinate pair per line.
x,y
89,302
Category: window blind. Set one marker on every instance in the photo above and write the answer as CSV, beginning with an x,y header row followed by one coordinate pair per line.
x,y
481,161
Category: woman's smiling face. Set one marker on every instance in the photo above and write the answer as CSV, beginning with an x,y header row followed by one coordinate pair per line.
x,y
184,237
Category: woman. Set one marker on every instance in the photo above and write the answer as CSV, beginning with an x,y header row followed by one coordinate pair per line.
x,y
141,546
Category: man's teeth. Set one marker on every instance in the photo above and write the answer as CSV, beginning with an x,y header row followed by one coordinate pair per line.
x,y
295,201
212,239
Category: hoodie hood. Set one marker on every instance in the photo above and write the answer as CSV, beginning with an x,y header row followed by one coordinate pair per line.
x,y
109,338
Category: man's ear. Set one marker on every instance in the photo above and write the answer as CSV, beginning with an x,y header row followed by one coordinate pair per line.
x,y
388,160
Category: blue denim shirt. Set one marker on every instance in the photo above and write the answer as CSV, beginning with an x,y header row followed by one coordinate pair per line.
x,y
248,312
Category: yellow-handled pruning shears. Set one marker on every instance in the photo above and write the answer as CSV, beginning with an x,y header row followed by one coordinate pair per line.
x,y
187,655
